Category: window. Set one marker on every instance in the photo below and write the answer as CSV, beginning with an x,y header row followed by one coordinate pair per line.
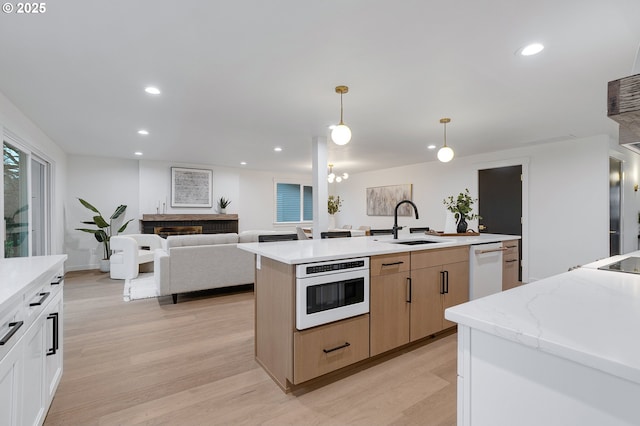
x,y
294,202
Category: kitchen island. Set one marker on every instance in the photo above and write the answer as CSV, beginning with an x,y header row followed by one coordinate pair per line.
x,y
323,305
561,351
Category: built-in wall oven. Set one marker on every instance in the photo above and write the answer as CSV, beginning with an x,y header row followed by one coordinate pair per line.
x,y
331,291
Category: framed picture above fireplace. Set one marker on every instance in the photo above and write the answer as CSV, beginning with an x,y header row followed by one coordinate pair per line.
x,y
191,187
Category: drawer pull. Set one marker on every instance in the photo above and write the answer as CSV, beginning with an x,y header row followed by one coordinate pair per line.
x,y
55,346
42,299
57,280
393,263
15,326
511,260
491,250
346,344
511,246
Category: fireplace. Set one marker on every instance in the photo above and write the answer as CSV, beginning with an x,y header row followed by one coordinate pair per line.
x,y
177,224
165,231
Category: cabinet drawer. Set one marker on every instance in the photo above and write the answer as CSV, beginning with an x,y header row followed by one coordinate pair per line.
x,y
12,327
323,349
511,249
390,264
429,258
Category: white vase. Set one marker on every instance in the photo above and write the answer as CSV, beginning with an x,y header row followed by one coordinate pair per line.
x,y
450,223
222,211
105,265
332,221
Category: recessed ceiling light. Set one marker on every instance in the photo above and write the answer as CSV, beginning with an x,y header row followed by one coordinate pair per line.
x,y
143,132
152,90
531,49
138,153
431,147
277,149
243,163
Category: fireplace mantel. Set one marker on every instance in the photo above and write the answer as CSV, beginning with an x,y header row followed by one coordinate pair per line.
x,y
210,223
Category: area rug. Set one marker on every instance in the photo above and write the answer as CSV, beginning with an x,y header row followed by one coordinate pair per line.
x,y
142,287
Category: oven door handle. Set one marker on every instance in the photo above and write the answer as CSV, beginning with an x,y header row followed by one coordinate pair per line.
x,y
346,344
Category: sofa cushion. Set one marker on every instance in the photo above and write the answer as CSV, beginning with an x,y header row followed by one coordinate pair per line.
x,y
201,240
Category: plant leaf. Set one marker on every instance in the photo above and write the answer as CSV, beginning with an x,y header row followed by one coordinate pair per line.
x,y
116,214
100,222
124,226
89,206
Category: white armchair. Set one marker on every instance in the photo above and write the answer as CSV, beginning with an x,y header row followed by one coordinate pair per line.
x,y
132,250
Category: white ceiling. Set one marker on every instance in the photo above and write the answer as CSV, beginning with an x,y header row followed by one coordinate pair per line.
x,y
240,77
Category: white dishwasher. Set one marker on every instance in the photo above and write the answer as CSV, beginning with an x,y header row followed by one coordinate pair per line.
x,y
485,269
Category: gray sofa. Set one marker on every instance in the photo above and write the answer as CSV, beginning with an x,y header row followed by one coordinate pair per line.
x,y
204,261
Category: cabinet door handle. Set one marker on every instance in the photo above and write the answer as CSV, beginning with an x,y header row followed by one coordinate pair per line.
x,y
409,289
15,326
393,263
446,275
57,280
54,346
441,282
346,344
511,260
512,246
42,299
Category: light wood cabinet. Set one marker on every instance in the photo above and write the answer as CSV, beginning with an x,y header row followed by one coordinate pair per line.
x,y
510,264
389,302
440,279
327,348
409,294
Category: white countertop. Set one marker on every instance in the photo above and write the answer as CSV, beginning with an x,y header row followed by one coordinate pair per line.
x,y
16,273
306,251
588,316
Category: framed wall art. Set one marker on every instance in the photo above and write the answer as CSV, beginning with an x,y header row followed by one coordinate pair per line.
x,y
382,200
191,187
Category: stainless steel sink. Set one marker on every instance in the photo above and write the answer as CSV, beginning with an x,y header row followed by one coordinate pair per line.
x,y
415,242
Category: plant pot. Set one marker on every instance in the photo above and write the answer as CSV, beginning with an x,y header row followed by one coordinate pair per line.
x,y
105,265
222,211
462,225
332,222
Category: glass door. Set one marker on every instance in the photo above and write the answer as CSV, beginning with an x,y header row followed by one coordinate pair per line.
x,y
16,202
39,207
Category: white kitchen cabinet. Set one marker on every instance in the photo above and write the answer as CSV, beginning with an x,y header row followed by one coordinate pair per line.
x,y
10,386
30,363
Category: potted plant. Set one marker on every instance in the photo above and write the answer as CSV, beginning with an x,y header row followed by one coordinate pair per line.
x,y
333,206
222,205
103,233
461,207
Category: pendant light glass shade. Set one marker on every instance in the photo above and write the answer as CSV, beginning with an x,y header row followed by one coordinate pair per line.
x,y
341,134
445,154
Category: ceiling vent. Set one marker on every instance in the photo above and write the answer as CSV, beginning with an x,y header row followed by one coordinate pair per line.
x,y
623,106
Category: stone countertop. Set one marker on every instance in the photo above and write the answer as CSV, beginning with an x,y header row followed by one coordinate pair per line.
x,y
307,251
17,273
587,316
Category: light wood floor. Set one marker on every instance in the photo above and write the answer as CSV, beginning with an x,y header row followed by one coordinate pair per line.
x,y
152,362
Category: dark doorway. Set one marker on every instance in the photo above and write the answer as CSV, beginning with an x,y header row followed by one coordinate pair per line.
x,y
615,199
500,202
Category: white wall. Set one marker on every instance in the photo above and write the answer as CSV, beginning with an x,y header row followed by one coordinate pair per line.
x,y
146,185
13,120
567,216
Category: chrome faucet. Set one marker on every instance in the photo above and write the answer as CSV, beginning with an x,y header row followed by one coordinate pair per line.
x,y
395,217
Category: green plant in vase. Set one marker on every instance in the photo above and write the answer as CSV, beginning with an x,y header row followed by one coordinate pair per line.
x,y
462,208
103,233
223,203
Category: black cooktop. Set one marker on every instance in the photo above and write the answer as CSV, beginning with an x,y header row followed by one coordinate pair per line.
x,y
630,265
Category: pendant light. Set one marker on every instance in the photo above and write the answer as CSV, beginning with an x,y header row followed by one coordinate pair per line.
x,y
341,134
332,177
445,154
